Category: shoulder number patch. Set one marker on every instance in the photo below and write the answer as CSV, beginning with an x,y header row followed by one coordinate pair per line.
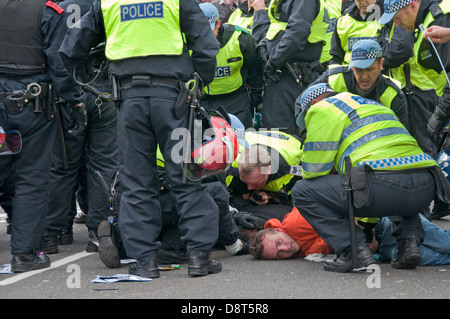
x,y
54,6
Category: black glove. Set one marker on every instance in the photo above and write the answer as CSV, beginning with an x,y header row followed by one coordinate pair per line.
x,y
256,97
435,124
78,119
248,220
271,72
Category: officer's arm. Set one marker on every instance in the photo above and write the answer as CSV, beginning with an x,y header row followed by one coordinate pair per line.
x,y
297,31
251,62
336,50
261,24
54,27
79,40
200,39
398,48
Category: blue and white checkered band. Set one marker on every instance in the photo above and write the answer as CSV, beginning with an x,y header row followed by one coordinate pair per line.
x,y
311,96
213,19
366,55
395,6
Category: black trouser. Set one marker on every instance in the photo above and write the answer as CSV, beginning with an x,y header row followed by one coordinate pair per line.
x,y
30,175
228,230
279,102
399,195
143,123
96,148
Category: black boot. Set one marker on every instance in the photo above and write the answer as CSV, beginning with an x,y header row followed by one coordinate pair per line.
x,y
202,266
49,243
440,210
408,254
344,263
147,270
166,256
65,236
107,251
29,261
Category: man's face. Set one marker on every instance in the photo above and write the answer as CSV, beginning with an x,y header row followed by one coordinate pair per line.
x,y
366,78
406,17
363,5
255,180
279,245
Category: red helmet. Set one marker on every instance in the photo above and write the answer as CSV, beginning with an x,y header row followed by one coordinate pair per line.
x,y
10,143
218,150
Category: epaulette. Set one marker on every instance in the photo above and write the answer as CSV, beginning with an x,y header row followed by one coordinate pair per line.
x,y
54,6
435,10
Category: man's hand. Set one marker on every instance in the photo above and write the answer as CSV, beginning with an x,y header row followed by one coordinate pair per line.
x,y
436,124
78,119
437,34
257,5
260,198
271,72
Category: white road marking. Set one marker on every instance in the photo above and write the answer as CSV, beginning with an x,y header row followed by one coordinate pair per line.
x,y
53,265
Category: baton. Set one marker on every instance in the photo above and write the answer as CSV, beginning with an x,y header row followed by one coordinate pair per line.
x,y
351,213
296,77
192,87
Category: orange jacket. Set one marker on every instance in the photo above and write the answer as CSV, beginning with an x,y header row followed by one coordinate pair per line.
x,y
298,228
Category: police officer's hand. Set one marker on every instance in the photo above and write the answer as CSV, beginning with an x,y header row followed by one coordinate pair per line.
x,y
78,119
256,97
248,220
260,198
436,124
271,72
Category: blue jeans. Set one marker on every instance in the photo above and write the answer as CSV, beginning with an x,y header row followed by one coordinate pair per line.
x,y
435,248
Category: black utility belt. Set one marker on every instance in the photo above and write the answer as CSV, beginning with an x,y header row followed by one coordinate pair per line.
x,y
146,81
38,95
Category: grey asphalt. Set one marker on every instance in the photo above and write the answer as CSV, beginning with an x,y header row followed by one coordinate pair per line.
x,y
242,278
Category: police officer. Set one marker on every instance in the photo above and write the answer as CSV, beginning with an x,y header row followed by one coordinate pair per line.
x,y
359,22
422,75
294,33
29,64
93,150
148,49
383,154
265,170
411,14
238,82
363,77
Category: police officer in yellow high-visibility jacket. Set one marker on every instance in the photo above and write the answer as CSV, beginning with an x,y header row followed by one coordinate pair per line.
x,y
148,46
285,155
238,81
358,23
391,176
411,14
295,33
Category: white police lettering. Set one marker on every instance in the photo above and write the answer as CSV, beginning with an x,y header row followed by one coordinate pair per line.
x,y
352,41
222,71
141,11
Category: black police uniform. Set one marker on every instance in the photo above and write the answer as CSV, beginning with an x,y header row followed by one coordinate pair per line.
x,y
146,118
29,54
95,148
289,46
245,99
